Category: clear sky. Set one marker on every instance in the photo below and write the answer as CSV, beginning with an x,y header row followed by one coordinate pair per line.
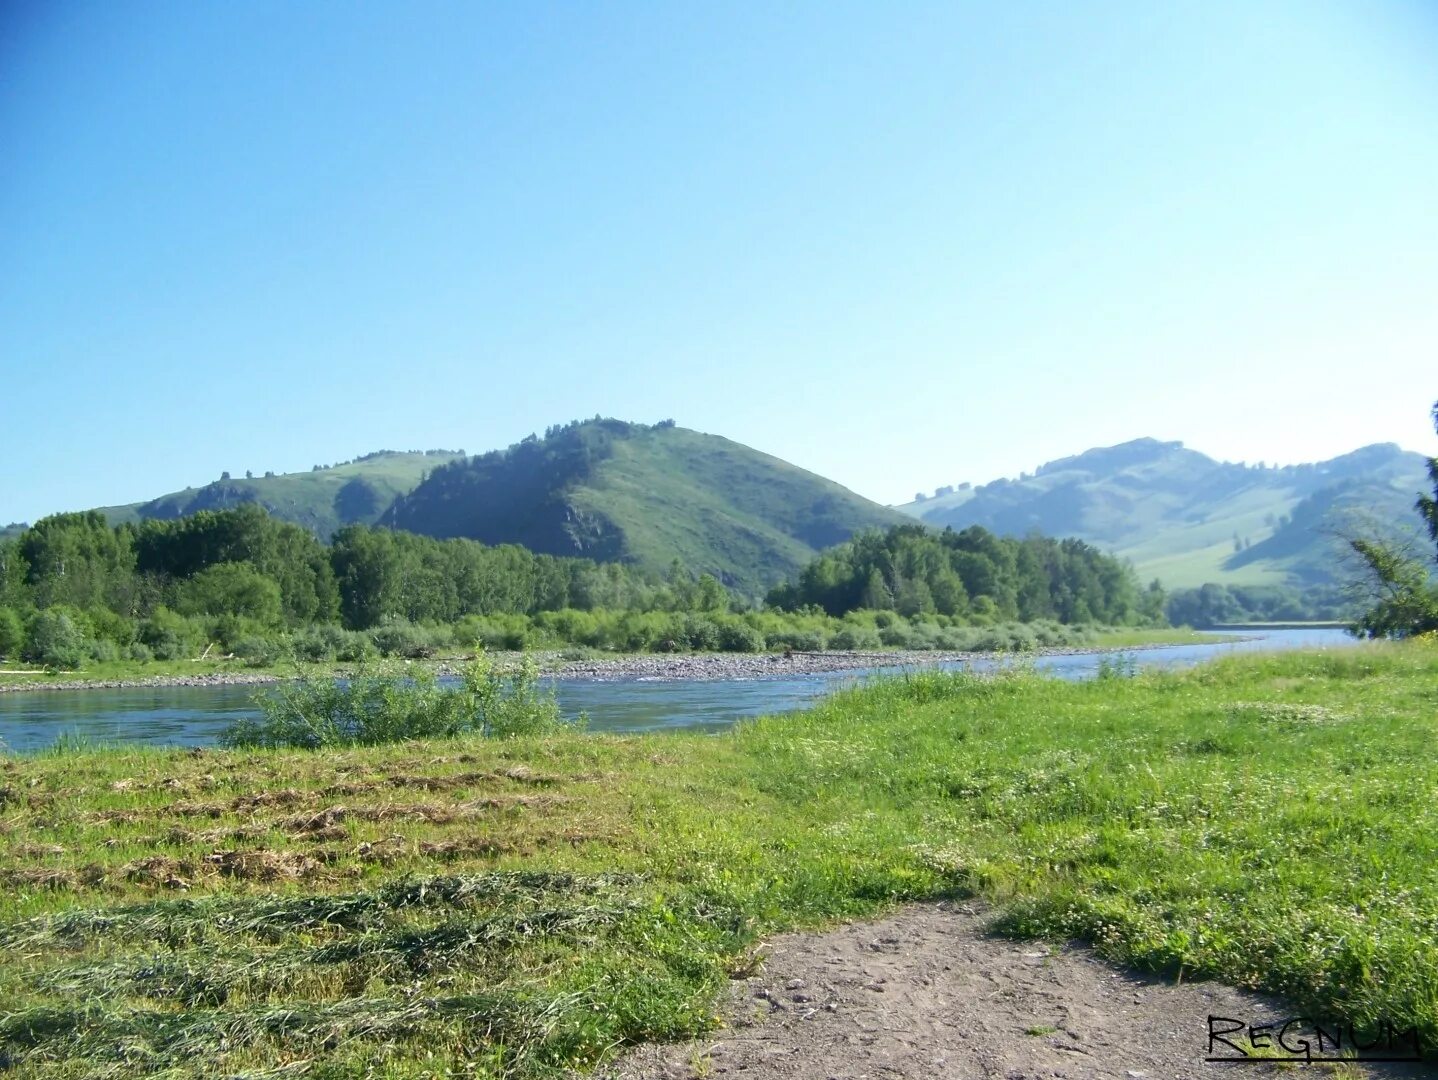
x,y
901,245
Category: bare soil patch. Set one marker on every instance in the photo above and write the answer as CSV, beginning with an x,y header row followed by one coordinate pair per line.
x,y
928,993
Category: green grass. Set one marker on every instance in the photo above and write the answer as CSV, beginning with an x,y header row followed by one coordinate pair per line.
x,y
513,907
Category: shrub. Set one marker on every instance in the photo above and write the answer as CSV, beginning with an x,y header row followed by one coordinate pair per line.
x,y
139,652
170,636
960,638
103,650
12,633
798,640
392,704
896,635
512,703
855,639
56,639
258,651
110,626
357,647
403,639
511,632
740,637
699,633
319,643
233,588
570,626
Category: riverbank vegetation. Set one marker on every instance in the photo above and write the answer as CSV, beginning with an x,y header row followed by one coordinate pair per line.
x,y
76,593
515,906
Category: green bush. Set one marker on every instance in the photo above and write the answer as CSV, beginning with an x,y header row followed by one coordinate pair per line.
x,y
103,650
171,636
798,640
12,633
357,647
404,640
319,643
139,652
570,626
110,626
896,635
511,632
258,651
233,588
698,633
740,637
855,639
393,704
56,638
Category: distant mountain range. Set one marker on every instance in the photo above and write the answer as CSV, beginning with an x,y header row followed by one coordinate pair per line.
x,y
602,489
650,495
1186,519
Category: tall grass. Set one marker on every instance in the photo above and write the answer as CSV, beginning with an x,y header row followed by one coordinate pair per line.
x,y
389,704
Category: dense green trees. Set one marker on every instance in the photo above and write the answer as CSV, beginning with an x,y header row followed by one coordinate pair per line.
x,y
972,575
77,559
291,557
168,587
73,588
1214,605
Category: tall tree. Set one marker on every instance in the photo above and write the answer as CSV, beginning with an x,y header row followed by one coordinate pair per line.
x,y
79,560
1428,506
1403,599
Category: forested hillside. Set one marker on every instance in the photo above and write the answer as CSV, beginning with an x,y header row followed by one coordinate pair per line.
x,y
649,495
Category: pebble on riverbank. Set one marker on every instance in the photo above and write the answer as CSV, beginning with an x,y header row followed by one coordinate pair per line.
x,y
669,667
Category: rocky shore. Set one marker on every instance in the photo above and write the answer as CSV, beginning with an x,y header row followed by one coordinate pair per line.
x,y
659,667
710,666
238,678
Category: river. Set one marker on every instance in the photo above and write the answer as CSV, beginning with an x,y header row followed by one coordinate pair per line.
x,y
195,716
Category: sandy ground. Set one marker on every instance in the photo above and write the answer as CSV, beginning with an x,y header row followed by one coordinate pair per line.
x,y
927,993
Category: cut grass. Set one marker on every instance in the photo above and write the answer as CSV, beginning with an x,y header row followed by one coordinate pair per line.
x,y
1270,821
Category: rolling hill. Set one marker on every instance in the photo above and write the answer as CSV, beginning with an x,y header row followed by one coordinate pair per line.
x,y
322,500
609,490
1186,519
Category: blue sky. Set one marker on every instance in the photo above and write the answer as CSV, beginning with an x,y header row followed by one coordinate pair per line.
x,y
899,244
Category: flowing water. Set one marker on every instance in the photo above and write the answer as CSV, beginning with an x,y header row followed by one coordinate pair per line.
x,y
195,716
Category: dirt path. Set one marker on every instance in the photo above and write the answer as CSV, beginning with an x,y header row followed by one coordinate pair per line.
x,y
927,994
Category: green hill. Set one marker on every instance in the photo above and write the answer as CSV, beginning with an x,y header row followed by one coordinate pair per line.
x,y
610,490
1187,519
322,500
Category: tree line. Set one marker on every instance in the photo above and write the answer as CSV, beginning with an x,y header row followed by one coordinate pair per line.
x,y
973,574
73,587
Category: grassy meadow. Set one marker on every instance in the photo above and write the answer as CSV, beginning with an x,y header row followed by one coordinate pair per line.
x,y
519,906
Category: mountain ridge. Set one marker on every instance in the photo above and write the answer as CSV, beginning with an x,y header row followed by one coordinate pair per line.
x,y
1189,519
612,490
